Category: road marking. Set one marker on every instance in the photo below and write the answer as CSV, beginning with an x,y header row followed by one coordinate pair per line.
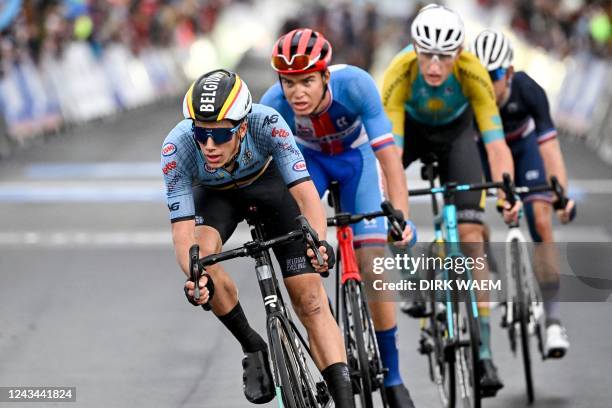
x,y
102,170
154,239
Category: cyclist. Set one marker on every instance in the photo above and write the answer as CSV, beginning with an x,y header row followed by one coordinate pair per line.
x,y
226,147
431,91
532,137
341,129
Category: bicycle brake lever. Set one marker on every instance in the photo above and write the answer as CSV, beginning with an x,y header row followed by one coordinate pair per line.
x,y
311,237
509,190
395,217
195,270
562,200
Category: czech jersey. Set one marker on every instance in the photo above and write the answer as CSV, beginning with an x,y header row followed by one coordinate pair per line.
x,y
339,144
354,116
406,92
268,139
527,111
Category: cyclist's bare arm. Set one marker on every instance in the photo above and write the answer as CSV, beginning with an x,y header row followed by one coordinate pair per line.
x,y
553,161
395,178
307,198
183,237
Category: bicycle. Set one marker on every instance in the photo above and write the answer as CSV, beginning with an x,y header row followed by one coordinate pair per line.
x,y
367,371
289,353
450,333
523,304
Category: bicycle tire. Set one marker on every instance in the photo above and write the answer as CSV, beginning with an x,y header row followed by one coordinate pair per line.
x,y
355,344
523,317
294,387
443,360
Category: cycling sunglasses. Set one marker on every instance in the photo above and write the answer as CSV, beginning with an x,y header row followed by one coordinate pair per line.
x,y
439,56
218,135
498,74
298,62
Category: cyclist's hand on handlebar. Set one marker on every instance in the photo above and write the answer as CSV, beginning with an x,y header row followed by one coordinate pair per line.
x,y
204,293
568,213
327,253
511,213
409,235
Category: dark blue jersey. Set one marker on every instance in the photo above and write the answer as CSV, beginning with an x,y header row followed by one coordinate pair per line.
x,y
527,110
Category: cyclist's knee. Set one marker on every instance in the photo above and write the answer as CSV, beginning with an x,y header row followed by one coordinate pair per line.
x,y
471,232
307,303
365,259
542,221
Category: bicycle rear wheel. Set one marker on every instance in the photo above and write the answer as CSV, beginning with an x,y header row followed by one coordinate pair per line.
x,y
523,315
294,382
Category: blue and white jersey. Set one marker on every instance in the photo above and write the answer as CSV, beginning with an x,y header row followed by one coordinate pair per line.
x,y
268,139
355,115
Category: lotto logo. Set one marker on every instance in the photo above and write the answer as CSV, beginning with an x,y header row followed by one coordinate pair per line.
x,y
279,132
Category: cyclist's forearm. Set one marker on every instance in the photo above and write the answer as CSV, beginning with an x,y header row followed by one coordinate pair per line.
x,y
500,159
553,161
309,202
394,178
183,237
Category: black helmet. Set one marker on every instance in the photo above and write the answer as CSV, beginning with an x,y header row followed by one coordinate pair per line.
x,y
217,95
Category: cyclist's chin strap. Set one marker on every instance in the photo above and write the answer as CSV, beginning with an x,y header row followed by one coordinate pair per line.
x,y
325,88
231,161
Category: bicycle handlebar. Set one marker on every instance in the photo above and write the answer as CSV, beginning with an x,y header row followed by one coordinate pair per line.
x,y
198,265
395,217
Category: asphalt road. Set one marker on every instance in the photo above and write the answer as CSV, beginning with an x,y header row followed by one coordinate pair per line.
x,y
91,296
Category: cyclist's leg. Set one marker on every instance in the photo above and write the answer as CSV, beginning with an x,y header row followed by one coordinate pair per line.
x,y
530,172
217,216
305,287
360,192
464,167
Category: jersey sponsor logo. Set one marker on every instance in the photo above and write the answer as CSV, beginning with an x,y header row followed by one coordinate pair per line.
x,y
532,174
174,206
209,169
304,131
208,92
199,220
169,166
342,122
269,120
247,157
512,107
300,166
279,132
370,223
168,149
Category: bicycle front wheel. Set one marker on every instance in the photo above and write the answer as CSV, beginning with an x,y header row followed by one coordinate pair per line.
x,y
294,383
523,315
467,354
355,343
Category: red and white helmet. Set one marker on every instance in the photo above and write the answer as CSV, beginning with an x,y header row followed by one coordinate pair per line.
x,y
301,51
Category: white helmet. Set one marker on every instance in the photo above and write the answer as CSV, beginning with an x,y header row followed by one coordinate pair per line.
x,y
493,49
437,29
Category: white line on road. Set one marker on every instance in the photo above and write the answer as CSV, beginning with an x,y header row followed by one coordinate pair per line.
x,y
155,239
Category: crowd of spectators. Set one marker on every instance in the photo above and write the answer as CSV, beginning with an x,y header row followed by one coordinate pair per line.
x,y
563,26
43,28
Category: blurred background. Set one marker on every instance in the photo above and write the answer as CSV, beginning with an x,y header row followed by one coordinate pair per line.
x,y
64,62
90,292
